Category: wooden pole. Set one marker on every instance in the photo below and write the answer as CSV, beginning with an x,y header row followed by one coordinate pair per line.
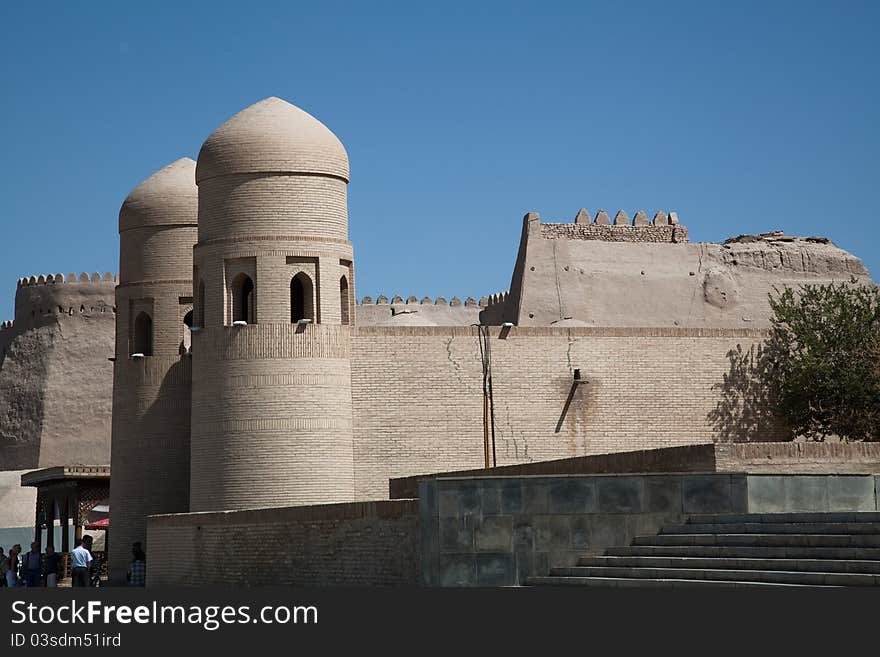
x,y
486,427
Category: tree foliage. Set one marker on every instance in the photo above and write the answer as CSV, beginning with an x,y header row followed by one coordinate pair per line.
x,y
825,346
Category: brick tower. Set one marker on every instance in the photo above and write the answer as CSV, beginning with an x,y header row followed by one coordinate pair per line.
x,y
152,370
273,287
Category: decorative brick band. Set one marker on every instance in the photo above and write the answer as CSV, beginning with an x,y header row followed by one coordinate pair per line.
x,y
271,425
257,341
165,403
273,238
290,380
166,281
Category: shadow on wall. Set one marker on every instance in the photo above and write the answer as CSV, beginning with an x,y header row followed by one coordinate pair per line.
x,y
744,411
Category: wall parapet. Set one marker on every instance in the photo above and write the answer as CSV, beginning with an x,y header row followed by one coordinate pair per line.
x,y
52,279
664,228
455,301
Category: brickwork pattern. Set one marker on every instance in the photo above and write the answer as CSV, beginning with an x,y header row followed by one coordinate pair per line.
x,y
272,422
799,457
648,388
235,205
373,544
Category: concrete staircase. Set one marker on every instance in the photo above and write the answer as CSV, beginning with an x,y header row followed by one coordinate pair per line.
x,y
740,550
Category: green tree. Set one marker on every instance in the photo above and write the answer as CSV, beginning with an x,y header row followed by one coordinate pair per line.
x,y
825,349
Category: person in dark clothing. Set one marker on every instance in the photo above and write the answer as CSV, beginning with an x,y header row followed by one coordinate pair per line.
x,y
32,566
51,566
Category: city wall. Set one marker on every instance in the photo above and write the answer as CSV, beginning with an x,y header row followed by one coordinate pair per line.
x,y
55,373
418,395
360,543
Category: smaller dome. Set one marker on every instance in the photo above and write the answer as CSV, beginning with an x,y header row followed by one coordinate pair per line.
x,y
272,136
168,197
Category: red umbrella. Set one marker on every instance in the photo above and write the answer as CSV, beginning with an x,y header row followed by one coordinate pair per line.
x,y
103,523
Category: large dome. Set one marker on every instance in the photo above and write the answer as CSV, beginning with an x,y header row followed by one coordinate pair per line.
x,y
272,136
168,197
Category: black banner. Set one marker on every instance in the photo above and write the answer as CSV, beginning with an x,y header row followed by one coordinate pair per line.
x,y
416,621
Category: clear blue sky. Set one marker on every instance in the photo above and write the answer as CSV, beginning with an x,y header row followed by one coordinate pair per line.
x,y
458,118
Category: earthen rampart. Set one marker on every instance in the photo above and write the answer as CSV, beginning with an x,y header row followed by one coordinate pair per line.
x,y
55,372
48,298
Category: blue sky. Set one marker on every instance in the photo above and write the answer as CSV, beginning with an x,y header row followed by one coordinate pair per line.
x,y
458,119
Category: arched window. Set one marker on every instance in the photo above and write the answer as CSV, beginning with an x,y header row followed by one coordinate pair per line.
x,y
243,299
143,335
344,307
301,298
199,319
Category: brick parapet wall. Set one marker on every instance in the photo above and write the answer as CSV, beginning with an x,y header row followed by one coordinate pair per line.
x,y
799,457
687,458
361,543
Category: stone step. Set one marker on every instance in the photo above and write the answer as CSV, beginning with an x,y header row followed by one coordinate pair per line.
x,y
746,551
809,565
775,528
722,574
834,516
770,540
652,583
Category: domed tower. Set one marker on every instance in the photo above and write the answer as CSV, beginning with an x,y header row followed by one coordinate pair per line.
x,y
274,290
152,371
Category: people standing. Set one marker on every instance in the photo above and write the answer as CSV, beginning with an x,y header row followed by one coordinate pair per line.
x,y
12,570
80,561
51,566
137,570
32,567
4,566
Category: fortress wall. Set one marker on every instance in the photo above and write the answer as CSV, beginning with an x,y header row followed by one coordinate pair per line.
x,y
417,395
55,376
354,544
42,300
17,510
622,275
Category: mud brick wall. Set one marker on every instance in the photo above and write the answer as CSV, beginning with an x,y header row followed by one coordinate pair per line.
x,y
418,401
362,543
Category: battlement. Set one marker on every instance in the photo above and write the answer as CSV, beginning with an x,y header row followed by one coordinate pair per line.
x,y
454,302
663,228
42,300
53,279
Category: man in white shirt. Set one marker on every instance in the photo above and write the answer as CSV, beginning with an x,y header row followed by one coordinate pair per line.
x,y
80,561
